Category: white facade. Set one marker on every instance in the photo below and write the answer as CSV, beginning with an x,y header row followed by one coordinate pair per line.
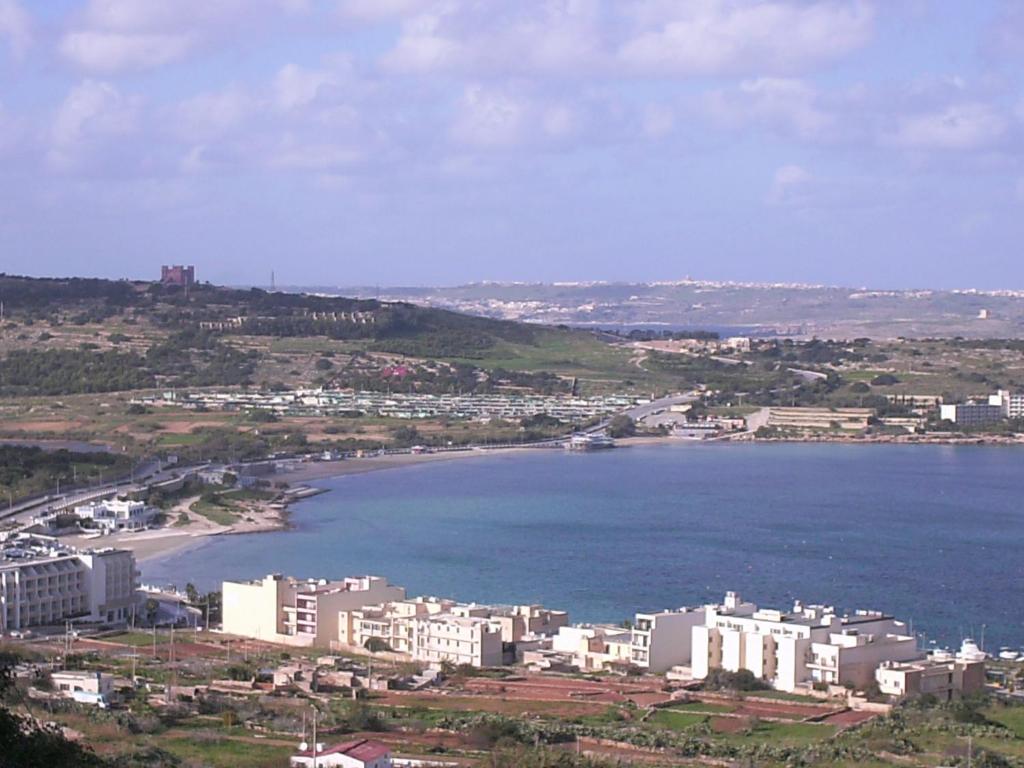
x,y
1011,403
305,613
118,514
594,647
361,753
45,590
472,640
85,687
435,629
808,645
663,640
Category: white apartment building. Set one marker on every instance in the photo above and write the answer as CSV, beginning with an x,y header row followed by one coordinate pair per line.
x,y
391,622
118,514
304,613
434,629
459,639
1011,403
660,641
807,645
42,589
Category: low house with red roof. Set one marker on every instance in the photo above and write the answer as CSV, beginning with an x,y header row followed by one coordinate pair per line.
x,y
360,753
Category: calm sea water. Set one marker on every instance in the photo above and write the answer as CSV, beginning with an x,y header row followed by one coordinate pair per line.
x,y
934,534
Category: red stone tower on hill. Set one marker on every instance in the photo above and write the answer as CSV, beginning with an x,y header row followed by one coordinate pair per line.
x,y
178,275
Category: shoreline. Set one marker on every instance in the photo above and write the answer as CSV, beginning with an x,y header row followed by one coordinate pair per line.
x,y
153,545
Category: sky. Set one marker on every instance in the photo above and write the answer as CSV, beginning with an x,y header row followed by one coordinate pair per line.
x,y
434,142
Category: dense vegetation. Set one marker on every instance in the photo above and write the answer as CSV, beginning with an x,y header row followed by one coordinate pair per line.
x,y
67,371
25,470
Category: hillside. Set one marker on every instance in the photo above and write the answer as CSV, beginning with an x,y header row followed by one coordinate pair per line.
x,y
82,335
764,309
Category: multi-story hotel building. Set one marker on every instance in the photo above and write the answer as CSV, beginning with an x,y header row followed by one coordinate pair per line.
x,y
42,589
660,641
286,610
810,644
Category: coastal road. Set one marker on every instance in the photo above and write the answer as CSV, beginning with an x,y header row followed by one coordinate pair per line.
x,y
639,412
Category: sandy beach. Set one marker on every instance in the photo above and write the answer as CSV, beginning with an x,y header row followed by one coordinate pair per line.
x,y
158,543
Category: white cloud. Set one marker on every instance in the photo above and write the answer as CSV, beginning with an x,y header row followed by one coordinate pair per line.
x,y
110,52
117,35
789,185
377,10
295,86
91,112
783,104
707,37
490,118
15,27
657,121
553,36
209,115
965,126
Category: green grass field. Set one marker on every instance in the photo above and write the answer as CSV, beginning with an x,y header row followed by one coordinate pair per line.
x,y
791,734
1011,717
676,721
215,512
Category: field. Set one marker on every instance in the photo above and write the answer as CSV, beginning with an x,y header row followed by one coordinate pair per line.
x,y
472,718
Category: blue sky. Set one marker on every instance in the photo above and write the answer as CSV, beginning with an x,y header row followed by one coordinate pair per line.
x,y
402,142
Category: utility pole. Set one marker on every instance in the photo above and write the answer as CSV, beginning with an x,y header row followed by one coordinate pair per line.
x,y
314,738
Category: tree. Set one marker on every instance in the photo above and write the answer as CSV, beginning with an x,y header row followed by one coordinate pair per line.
x,y
151,609
376,645
621,426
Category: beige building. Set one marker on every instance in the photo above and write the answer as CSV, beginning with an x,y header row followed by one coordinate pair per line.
x,y
810,644
458,639
433,629
941,674
594,647
820,418
291,611
40,589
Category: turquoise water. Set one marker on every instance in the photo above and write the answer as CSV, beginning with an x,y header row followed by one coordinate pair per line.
x,y
931,533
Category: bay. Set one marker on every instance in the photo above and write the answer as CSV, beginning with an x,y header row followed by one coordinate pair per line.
x,y
932,534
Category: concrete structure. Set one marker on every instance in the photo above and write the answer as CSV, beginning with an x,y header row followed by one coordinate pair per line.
x,y
304,613
433,629
95,688
520,621
971,414
1011,403
940,675
591,647
919,404
360,753
458,639
660,641
810,644
117,514
820,418
47,587
179,275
